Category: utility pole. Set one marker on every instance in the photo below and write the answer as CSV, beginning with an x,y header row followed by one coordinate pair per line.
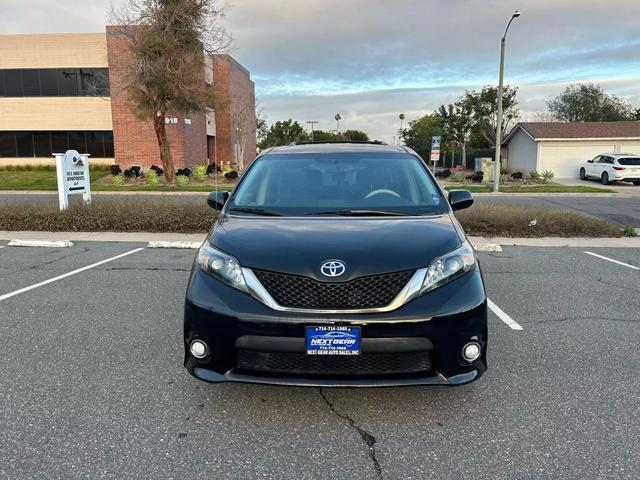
x,y
496,166
312,123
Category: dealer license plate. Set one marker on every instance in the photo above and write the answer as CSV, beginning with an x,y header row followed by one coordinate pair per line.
x,y
333,340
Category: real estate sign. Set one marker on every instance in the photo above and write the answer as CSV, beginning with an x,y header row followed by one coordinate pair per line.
x,y
72,170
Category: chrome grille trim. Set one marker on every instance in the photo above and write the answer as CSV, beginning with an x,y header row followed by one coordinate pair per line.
x,y
409,292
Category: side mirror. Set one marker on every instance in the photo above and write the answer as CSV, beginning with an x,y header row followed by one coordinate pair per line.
x,y
460,199
216,200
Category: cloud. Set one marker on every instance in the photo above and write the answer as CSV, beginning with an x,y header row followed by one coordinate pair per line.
x,y
372,59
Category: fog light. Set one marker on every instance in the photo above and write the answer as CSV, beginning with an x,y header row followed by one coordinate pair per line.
x,y
471,351
199,349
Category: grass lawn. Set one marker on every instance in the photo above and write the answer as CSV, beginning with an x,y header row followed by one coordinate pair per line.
x,y
37,179
160,188
532,189
45,179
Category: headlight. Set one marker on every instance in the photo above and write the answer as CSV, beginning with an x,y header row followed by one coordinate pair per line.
x,y
222,266
449,266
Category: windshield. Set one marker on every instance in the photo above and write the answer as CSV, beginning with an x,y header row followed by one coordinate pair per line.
x,y
338,184
632,161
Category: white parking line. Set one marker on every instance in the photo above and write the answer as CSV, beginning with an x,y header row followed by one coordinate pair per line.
x,y
612,260
60,277
503,316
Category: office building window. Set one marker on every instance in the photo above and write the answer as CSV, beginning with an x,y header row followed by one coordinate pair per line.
x,y
55,82
45,144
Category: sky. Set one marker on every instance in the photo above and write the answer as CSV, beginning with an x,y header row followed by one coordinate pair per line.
x,y
371,60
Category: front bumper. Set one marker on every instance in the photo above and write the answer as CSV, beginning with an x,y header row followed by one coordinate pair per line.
x,y
446,319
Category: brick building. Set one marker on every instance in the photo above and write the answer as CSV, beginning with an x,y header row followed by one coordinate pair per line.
x,y
64,91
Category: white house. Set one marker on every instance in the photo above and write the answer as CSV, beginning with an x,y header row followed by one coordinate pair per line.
x,y
562,147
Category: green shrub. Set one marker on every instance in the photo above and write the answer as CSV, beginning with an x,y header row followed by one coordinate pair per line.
x,y
117,179
493,220
535,176
182,180
526,178
546,176
628,230
159,214
152,177
226,169
185,216
457,177
200,173
504,178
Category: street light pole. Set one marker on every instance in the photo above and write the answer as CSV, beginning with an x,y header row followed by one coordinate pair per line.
x,y
312,123
496,168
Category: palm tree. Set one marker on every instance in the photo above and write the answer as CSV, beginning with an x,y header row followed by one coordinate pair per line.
x,y
338,118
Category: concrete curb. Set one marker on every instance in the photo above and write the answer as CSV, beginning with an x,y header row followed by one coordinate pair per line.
x,y
41,243
479,243
143,237
576,242
179,245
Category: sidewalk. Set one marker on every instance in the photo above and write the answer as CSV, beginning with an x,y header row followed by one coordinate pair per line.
x,y
480,243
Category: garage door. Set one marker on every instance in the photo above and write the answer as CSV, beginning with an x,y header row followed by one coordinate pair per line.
x,y
630,148
564,160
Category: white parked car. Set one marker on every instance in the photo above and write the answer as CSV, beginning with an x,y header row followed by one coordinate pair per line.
x,y
613,167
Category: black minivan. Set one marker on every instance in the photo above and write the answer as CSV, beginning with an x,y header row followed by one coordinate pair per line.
x,y
337,265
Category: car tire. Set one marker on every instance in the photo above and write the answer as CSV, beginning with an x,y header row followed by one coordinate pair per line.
x,y
637,183
583,174
605,178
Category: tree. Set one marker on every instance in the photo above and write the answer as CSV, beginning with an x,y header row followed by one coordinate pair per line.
x,y
484,108
588,102
284,133
419,133
355,136
243,125
322,136
169,41
261,123
457,121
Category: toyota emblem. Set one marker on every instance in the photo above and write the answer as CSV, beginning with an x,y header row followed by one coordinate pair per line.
x,y
333,268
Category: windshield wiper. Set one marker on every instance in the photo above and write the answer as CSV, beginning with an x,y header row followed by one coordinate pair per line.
x,y
256,211
360,213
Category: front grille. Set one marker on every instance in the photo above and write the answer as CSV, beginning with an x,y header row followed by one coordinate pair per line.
x,y
302,292
289,363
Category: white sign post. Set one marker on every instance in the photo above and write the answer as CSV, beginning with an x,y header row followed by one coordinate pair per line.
x,y
435,150
72,170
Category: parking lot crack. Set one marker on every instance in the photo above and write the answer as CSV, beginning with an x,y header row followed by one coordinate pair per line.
x,y
368,439
617,285
606,319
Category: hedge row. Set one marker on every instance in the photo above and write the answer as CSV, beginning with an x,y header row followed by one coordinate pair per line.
x,y
186,216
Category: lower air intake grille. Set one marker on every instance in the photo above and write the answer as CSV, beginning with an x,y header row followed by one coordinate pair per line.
x,y
334,365
294,291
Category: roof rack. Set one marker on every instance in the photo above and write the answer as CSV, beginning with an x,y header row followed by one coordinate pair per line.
x,y
319,142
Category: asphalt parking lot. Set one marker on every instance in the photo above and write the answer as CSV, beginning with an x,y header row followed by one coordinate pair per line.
x,y
92,383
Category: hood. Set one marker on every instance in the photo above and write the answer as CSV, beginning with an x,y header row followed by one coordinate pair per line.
x,y
368,246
